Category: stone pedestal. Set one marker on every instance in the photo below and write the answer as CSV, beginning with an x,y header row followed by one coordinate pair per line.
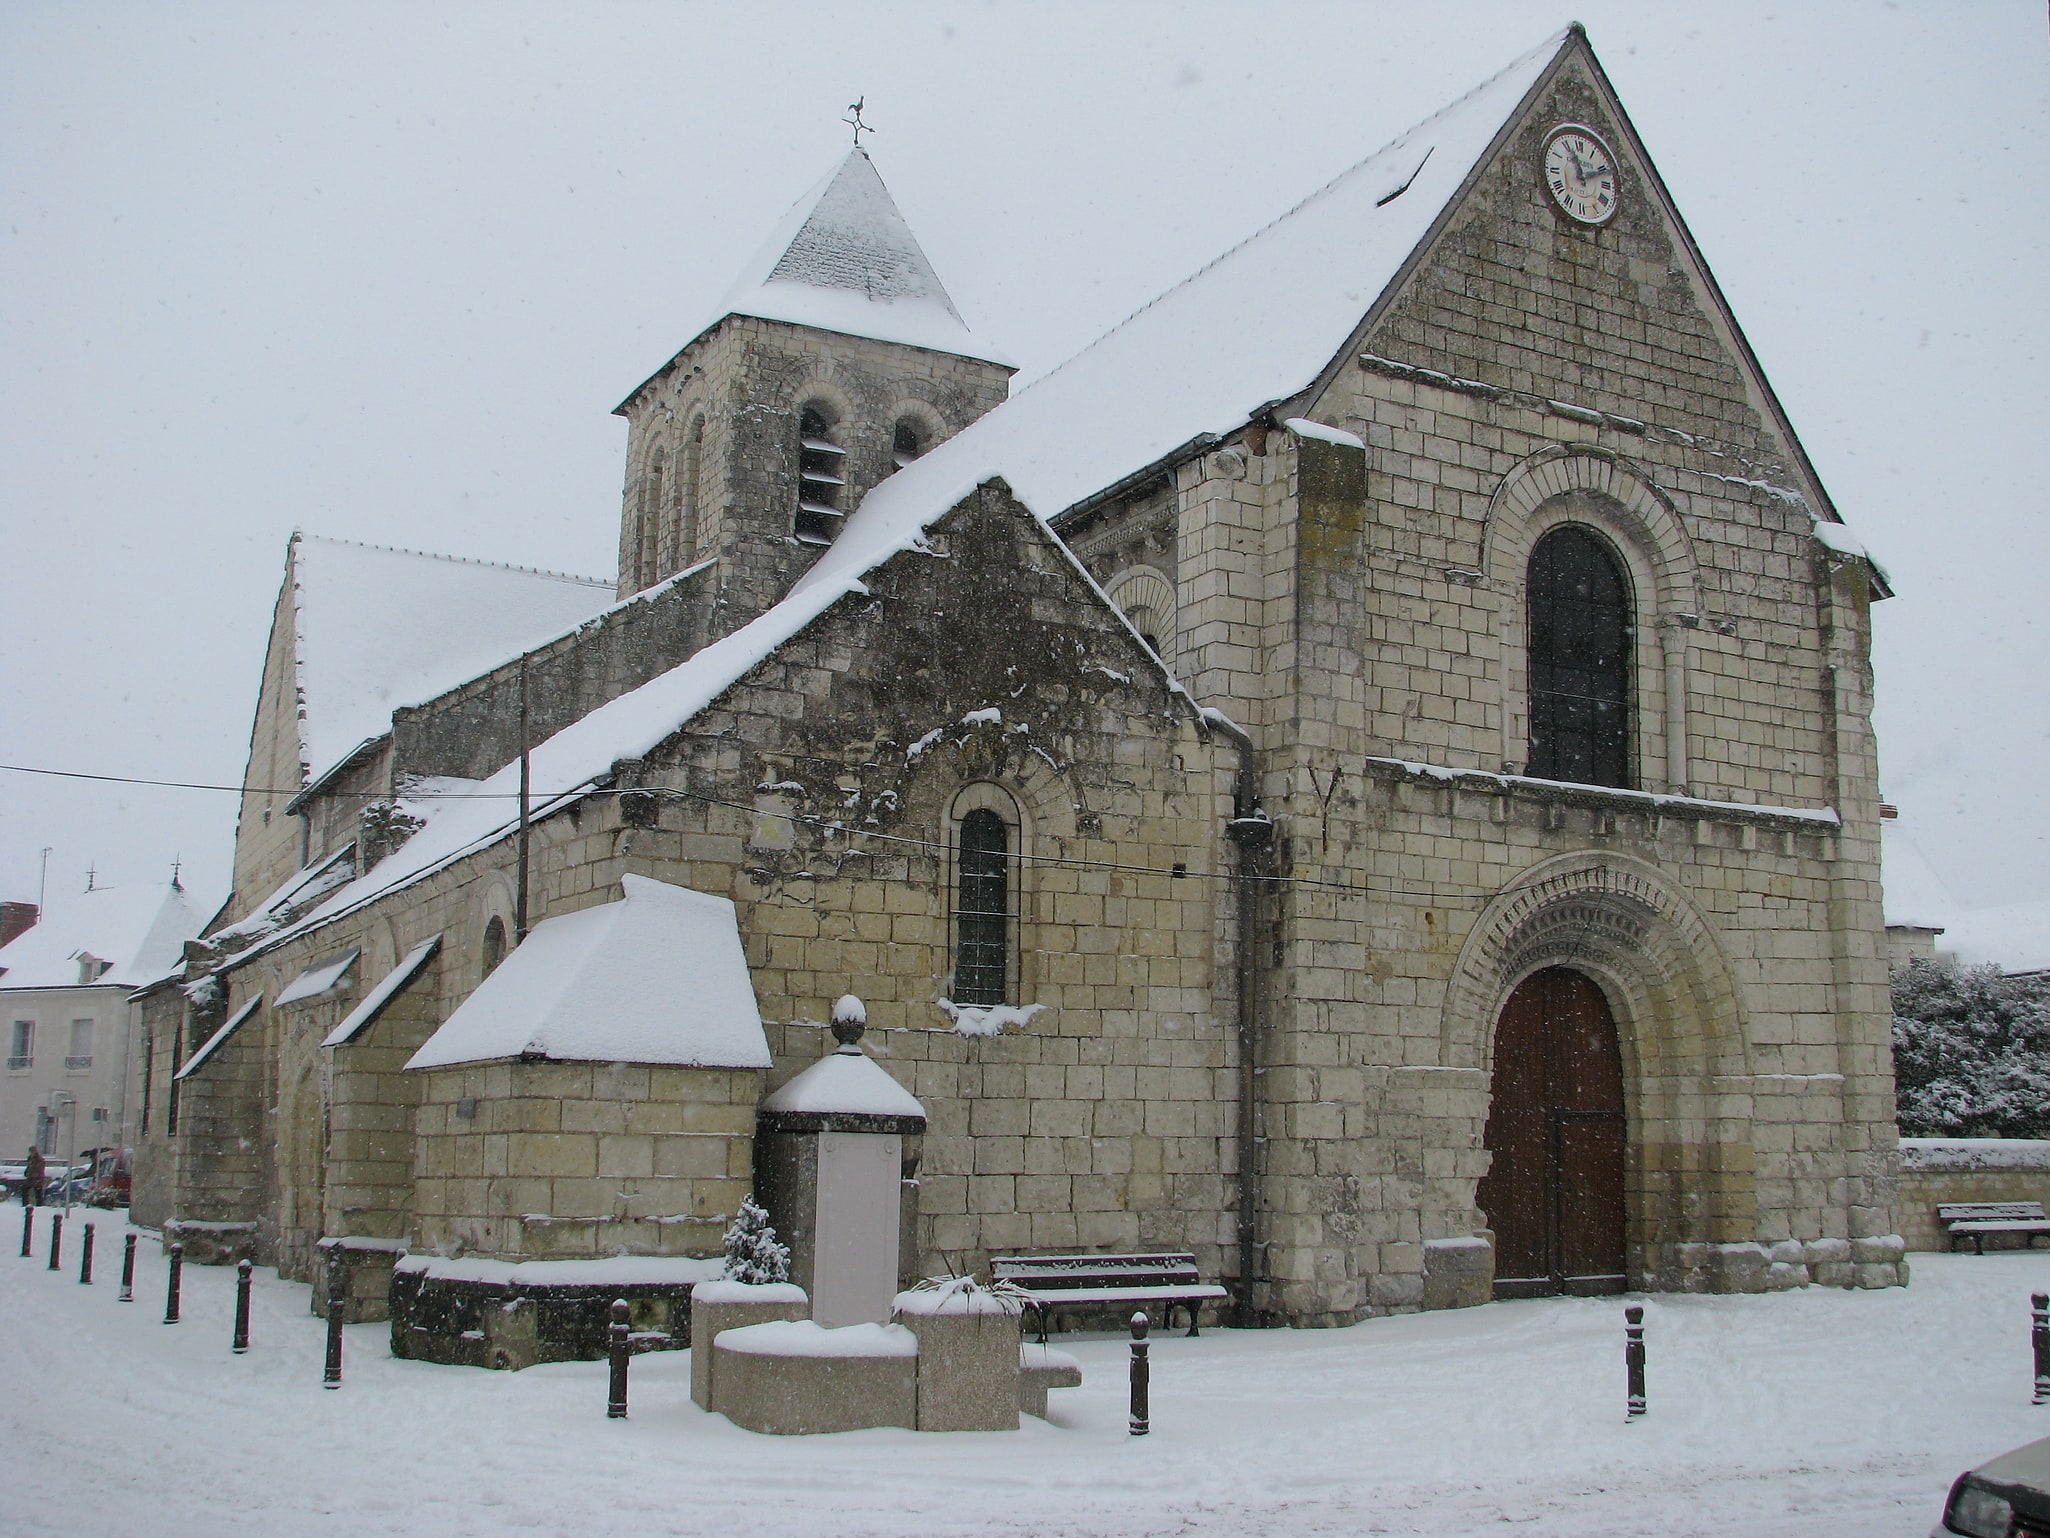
x,y
716,1307
967,1358
794,1379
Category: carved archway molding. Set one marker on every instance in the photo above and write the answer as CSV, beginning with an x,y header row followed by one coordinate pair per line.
x,y
1626,924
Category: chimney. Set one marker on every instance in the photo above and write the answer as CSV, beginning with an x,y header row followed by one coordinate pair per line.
x,y
17,919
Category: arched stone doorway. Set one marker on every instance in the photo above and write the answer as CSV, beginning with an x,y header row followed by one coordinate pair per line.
x,y
1553,1193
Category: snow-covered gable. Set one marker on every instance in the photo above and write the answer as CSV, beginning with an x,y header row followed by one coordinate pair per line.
x,y
378,628
1255,327
141,930
658,977
845,260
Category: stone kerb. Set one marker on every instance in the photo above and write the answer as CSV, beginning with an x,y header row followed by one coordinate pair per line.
x,y
716,1307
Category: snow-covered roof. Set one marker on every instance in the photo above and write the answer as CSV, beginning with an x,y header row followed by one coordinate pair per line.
x,y
845,260
658,977
213,1043
140,929
377,628
318,980
1913,894
365,1014
1256,326
845,1082
2013,936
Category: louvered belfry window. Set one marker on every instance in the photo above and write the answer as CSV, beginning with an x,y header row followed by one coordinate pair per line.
x,y
1580,634
821,478
982,917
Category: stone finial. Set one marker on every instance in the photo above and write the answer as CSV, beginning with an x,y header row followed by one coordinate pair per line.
x,y
850,1019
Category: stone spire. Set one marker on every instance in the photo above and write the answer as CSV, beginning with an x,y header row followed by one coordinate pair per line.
x,y
845,260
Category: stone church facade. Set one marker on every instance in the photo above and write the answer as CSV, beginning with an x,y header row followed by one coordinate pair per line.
x,y
1364,774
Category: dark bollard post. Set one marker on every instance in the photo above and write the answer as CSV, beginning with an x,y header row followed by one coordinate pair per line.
x,y
243,1271
85,1259
2039,1334
1142,1375
1633,1358
128,1270
177,1255
337,1311
616,1344
28,1229
56,1240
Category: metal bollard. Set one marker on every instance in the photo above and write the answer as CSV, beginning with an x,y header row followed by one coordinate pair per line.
x,y
2039,1335
1633,1358
128,1271
616,1346
85,1259
28,1229
244,1270
176,1253
56,1240
337,1311
1142,1375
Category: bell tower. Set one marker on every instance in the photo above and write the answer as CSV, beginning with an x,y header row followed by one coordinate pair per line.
x,y
837,358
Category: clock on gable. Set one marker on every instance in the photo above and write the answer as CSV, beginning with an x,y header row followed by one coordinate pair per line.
x,y
1581,174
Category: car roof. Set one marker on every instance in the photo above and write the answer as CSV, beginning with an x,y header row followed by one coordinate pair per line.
x,y
2028,1466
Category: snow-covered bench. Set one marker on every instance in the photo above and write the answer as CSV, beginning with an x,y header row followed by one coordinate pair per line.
x,y
1052,1282
1975,1220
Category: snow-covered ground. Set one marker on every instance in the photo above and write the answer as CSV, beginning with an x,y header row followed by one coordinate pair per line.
x,y
1815,1411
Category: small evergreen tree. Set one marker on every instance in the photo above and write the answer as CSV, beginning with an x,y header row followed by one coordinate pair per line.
x,y
1971,1051
753,1252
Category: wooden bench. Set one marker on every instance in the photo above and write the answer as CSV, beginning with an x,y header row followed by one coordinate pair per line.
x,y
1052,1282
1975,1220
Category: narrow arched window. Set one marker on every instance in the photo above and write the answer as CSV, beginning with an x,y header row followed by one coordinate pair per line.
x,y
494,945
693,468
909,442
982,915
651,522
1580,632
821,478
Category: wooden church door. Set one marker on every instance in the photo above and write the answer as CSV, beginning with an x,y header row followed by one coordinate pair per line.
x,y
1554,1193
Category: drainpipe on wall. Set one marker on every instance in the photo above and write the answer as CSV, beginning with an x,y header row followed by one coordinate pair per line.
x,y
1253,835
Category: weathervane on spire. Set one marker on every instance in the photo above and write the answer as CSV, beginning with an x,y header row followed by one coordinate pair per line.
x,y
854,120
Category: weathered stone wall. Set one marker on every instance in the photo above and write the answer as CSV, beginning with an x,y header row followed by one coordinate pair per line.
x,y
473,731
372,1107
267,841
565,1160
748,380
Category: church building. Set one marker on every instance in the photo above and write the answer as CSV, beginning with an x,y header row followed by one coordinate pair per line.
x,y
1364,773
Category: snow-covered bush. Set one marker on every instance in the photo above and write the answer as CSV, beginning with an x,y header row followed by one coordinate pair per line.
x,y
1971,1051
753,1252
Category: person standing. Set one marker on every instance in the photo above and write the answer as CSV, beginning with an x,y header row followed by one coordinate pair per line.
x,y
32,1178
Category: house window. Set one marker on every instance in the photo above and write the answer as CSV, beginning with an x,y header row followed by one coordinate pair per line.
x,y
982,915
80,1057
909,442
821,478
494,945
1580,634
21,1047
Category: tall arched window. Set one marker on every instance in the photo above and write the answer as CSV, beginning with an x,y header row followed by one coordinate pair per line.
x,y
693,468
982,913
651,521
1580,632
821,478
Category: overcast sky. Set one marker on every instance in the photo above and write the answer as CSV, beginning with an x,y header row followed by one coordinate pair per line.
x,y
381,271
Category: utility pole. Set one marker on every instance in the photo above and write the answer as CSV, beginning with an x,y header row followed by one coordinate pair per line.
x,y
520,890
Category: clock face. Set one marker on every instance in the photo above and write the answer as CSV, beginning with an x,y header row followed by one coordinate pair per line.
x,y
1581,173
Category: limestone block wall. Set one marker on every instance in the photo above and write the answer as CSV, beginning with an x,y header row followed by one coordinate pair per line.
x,y
267,841
373,1106
562,1160
218,1160
1936,1170
473,730
746,380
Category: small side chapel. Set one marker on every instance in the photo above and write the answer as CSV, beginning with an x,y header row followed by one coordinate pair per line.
x,y
1364,773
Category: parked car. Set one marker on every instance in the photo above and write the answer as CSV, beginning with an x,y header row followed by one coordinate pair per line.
x,y
79,1177
2007,1498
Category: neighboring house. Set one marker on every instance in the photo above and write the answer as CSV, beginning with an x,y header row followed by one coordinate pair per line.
x,y
1918,905
65,987
2014,937
1363,773
1923,921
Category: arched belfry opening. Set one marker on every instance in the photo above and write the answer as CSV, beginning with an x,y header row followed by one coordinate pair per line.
x,y
1556,1132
